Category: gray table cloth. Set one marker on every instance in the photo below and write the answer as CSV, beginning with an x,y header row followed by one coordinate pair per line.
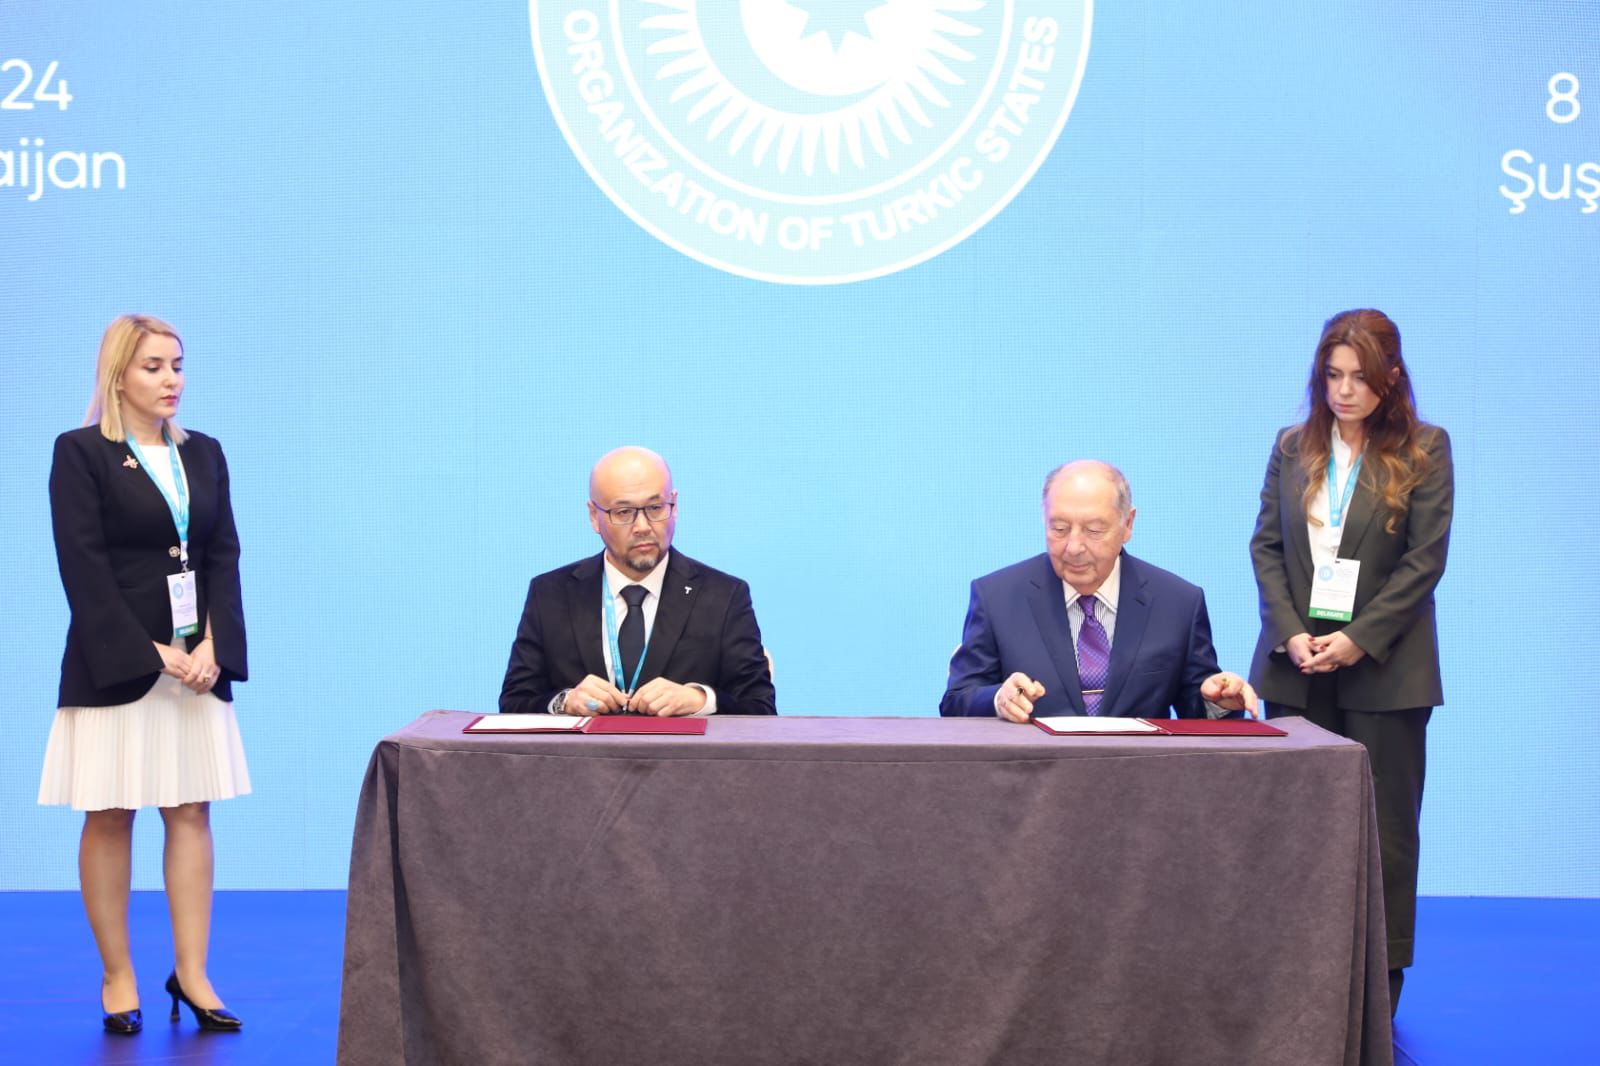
x,y
917,891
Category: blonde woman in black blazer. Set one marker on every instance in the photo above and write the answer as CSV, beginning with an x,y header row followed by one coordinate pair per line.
x,y
144,715
1374,678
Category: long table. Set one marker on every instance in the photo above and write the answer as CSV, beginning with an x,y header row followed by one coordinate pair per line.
x,y
843,891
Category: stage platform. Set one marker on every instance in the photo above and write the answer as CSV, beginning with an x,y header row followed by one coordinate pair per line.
x,y
1497,981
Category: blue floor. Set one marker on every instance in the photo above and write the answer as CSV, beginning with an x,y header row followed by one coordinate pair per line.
x,y
275,959
1497,981
1503,981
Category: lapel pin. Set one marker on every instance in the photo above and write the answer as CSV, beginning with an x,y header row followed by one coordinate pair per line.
x,y
131,463
687,589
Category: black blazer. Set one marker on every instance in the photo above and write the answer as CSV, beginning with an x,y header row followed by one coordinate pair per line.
x,y
705,631
1393,621
115,545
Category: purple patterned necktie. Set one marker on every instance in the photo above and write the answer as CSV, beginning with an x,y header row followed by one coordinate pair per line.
x,y
1094,656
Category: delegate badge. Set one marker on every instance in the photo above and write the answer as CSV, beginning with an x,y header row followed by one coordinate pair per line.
x,y
185,603
1333,590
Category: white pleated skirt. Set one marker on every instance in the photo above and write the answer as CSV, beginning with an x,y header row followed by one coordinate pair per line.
x,y
173,746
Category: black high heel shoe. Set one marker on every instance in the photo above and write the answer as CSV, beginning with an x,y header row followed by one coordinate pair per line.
x,y
122,1022
217,1021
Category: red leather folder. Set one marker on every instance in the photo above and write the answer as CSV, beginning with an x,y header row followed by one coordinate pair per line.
x,y
1216,727
644,723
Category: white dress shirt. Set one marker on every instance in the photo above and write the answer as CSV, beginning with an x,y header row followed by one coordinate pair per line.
x,y
160,464
1324,535
616,581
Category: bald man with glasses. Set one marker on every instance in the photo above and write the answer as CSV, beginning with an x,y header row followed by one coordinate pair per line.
x,y
639,628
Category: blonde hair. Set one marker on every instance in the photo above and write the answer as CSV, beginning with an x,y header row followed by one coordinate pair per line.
x,y
117,349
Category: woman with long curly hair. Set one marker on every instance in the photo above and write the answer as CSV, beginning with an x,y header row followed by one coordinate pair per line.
x,y
1350,542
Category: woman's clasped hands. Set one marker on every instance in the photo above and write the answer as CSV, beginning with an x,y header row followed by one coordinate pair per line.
x,y
196,670
1322,655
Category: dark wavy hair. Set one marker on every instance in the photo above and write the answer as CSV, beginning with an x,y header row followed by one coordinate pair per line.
x,y
1395,459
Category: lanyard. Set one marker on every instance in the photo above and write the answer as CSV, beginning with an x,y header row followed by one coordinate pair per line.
x,y
606,599
178,507
1336,502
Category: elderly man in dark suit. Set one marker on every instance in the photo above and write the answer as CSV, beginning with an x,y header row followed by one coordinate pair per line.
x,y
1087,628
639,628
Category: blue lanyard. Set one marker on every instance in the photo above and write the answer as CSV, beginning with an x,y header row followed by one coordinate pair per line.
x,y
1336,502
611,638
180,506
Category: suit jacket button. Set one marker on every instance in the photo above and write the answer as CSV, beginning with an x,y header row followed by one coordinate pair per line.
x,y
173,551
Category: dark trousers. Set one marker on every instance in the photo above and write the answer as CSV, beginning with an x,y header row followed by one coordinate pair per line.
x,y
1396,743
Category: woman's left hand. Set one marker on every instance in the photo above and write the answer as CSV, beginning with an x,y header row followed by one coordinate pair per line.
x,y
1332,651
203,672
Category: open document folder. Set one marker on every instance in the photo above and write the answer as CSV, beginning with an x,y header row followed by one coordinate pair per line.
x,y
1072,726
577,723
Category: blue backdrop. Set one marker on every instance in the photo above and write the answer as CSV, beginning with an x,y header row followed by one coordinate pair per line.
x,y
414,320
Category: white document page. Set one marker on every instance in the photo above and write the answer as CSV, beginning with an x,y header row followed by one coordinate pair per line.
x,y
512,723
1076,724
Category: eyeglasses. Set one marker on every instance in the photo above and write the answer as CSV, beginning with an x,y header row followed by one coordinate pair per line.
x,y
654,513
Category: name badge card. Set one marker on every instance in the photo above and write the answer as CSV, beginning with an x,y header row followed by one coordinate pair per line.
x,y
185,603
1333,590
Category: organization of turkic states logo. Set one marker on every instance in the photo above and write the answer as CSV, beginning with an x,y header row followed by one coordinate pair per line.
x,y
811,141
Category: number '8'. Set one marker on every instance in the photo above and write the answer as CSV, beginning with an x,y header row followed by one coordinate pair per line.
x,y
1562,107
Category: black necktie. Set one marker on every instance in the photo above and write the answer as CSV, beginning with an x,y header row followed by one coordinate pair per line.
x,y
630,641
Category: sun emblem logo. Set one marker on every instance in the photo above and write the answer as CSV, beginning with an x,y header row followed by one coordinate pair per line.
x,y
811,141
839,88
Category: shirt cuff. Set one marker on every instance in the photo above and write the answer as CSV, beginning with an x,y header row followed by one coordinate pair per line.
x,y
1213,711
711,701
